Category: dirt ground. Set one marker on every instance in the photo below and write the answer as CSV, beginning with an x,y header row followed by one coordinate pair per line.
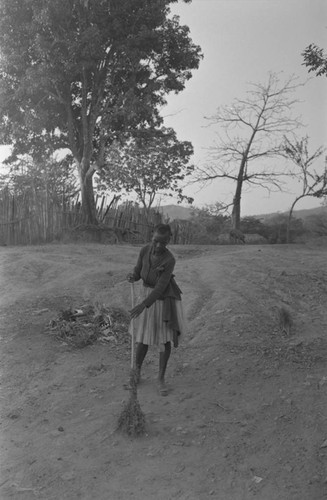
x,y
246,414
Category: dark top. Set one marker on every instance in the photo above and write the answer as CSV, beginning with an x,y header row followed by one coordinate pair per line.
x,y
157,273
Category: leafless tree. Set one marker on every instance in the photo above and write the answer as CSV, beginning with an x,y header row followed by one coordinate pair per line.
x,y
252,132
313,184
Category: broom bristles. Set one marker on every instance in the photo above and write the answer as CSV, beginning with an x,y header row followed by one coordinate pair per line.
x,y
132,419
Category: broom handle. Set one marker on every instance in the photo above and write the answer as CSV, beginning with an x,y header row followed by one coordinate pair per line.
x,y
132,328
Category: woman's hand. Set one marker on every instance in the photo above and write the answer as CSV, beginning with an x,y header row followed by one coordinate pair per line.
x,y
130,278
137,310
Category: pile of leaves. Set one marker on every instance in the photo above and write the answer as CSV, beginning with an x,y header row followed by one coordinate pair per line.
x,y
91,323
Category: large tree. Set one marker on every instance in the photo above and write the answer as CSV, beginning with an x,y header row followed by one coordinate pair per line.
x,y
151,162
80,74
252,131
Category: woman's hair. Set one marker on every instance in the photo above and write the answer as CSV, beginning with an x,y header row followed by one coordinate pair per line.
x,y
163,229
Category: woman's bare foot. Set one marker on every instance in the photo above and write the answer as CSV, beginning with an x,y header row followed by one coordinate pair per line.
x,y
162,388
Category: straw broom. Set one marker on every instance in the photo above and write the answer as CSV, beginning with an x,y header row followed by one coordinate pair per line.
x,y
132,419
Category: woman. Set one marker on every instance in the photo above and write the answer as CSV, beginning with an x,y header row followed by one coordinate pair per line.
x,y
159,315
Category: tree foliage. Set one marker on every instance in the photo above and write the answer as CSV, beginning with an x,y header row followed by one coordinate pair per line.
x,y
252,131
315,59
279,231
79,74
253,225
208,222
152,161
52,176
317,224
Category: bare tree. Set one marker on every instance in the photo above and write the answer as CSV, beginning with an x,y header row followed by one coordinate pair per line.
x,y
313,184
253,130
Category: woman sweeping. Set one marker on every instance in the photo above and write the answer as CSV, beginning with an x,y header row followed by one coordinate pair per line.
x,y
159,314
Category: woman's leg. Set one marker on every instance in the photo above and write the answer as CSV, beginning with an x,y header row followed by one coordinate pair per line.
x,y
141,351
163,361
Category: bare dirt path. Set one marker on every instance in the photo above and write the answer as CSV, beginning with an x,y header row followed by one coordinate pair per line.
x,y
246,414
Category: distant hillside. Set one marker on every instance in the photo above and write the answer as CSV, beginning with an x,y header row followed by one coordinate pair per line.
x,y
184,213
298,214
176,212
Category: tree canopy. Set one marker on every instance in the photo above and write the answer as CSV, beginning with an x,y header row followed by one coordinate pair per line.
x,y
152,161
79,74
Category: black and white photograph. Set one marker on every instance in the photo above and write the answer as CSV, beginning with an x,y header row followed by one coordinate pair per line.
x,y
163,249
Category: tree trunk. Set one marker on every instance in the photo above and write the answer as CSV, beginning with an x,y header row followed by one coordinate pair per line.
x,y
87,195
289,220
236,212
288,228
88,202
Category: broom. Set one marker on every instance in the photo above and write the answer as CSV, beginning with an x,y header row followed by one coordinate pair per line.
x,y
132,419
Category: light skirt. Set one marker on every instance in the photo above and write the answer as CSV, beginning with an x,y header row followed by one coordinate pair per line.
x,y
149,327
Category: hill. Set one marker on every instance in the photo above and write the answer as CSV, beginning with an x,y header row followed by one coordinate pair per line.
x,y
184,213
299,214
176,212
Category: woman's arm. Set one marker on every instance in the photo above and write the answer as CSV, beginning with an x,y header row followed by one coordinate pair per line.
x,y
158,290
136,274
162,283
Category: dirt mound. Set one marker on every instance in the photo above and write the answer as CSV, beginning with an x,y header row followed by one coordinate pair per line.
x,y
245,416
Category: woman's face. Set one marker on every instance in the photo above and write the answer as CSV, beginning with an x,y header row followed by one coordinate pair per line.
x,y
159,243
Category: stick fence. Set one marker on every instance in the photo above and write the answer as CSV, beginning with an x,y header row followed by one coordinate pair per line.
x,y
35,218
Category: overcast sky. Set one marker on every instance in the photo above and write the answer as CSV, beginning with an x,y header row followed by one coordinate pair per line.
x,y
242,41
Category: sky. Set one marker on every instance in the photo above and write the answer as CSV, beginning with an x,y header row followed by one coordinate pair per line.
x,y
242,41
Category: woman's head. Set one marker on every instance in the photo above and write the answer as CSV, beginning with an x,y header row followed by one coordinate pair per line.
x,y
161,237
